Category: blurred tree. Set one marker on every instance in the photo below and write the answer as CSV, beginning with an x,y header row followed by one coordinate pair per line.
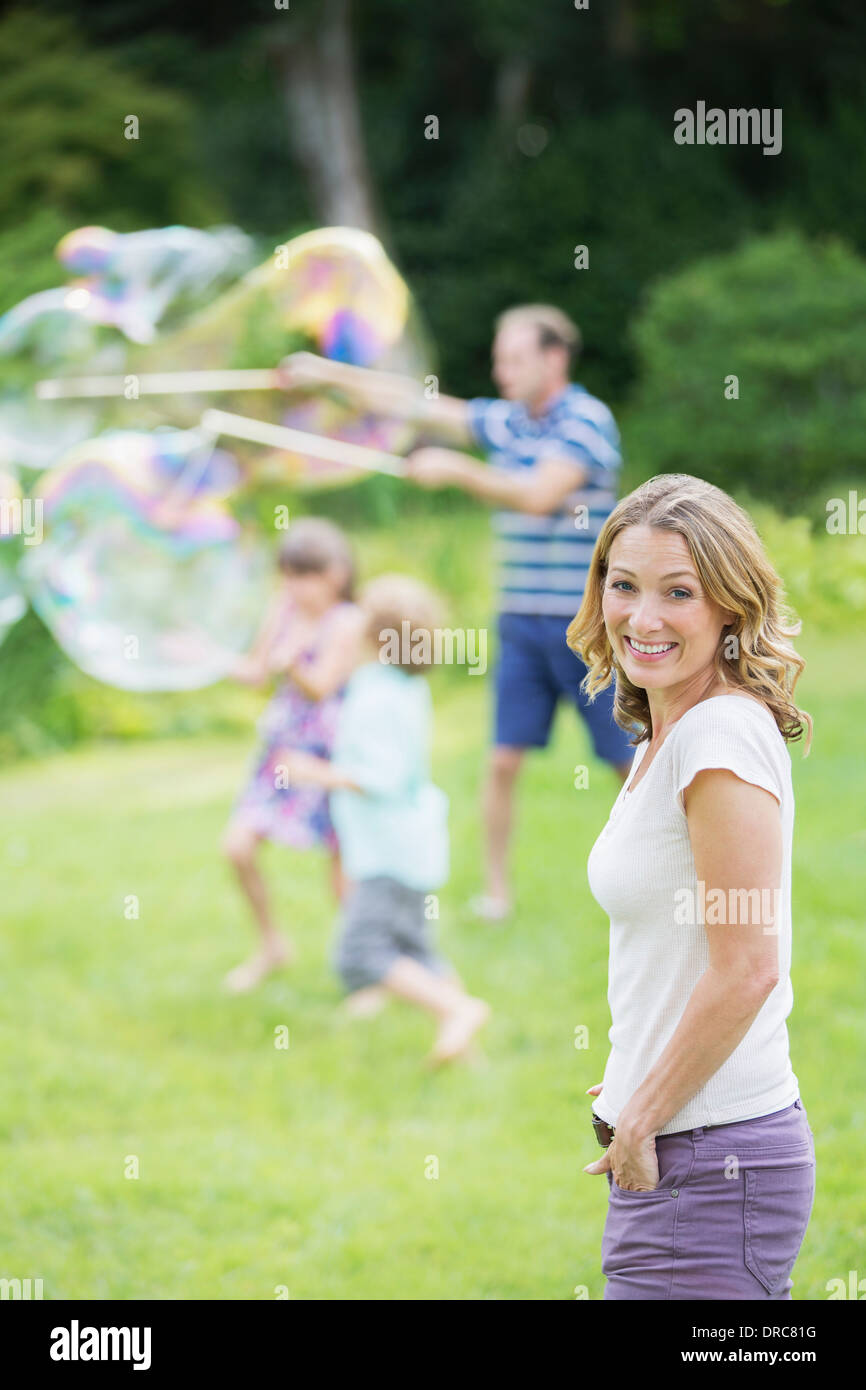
x,y
315,60
69,110
276,93
752,371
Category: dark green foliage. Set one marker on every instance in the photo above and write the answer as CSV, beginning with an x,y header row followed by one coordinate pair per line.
x,y
63,108
617,185
785,316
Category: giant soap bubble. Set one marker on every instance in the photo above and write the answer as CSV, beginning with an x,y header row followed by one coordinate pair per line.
x,y
131,284
52,326
11,498
131,279
326,414
33,434
333,289
143,575
337,286
13,604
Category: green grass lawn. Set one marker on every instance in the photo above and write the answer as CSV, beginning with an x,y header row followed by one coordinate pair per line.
x,y
305,1167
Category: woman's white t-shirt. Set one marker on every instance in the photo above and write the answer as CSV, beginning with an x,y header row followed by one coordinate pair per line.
x,y
642,873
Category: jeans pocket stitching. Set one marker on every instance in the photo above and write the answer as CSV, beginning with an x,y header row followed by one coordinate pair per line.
x,y
630,1195
751,1259
752,1262
804,1150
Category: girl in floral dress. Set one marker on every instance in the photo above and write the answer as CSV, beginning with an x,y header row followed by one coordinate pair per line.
x,y
310,639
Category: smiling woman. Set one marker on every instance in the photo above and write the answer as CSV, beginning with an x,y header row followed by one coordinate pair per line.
x,y
709,1157
711,580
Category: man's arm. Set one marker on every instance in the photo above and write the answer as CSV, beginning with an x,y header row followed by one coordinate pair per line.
x,y
385,393
537,490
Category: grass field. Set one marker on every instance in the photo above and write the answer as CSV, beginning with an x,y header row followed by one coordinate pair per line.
x,y
305,1168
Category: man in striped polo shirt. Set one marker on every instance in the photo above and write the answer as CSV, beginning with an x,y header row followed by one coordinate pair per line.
x,y
552,472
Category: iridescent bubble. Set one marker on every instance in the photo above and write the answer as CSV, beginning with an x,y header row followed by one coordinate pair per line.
x,y
337,285
52,326
10,504
132,279
33,434
333,289
143,575
132,282
172,479
13,604
328,416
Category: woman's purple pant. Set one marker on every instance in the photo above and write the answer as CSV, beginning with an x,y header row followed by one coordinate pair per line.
x,y
727,1219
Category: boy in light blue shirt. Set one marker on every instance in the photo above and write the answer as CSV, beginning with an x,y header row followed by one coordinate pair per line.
x,y
397,826
391,821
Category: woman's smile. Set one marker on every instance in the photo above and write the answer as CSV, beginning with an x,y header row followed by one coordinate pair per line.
x,y
649,651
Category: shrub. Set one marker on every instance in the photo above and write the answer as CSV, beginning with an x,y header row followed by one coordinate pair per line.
x,y
785,317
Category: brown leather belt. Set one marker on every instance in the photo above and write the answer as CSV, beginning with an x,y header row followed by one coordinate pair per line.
x,y
603,1131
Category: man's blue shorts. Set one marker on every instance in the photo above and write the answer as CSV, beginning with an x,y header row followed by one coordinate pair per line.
x,y
535,670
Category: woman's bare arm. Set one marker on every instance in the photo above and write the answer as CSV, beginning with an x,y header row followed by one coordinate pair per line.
x,y
736,837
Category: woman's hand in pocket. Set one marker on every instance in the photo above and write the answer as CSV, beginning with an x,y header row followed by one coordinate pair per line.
x,y
630,1158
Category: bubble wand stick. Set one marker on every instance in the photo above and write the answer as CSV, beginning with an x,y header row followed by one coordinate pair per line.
x,y
160,383
217,422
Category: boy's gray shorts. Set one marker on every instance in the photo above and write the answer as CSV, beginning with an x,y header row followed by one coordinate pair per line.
x,y
381,921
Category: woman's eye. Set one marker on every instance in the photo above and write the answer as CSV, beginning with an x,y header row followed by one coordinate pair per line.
x,y
625,585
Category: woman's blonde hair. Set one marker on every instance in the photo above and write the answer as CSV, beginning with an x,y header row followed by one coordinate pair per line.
x,y
734,571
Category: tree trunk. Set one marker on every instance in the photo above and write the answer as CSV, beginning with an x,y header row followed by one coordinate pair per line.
x,y
622,30
320,91
511,93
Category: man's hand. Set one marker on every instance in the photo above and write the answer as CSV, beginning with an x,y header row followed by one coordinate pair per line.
x,y
538,490
432,468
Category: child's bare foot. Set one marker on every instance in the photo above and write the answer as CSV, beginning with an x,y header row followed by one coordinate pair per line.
x,y
364,1003
490,908
457,1030
251,973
